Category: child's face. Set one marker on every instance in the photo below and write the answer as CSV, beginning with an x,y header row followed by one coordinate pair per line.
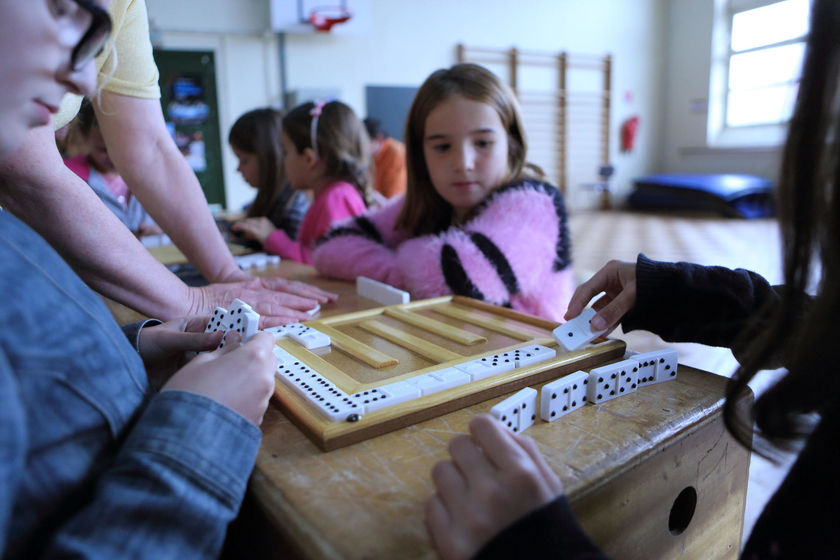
x,y
466,151
294,164
249,167
37,38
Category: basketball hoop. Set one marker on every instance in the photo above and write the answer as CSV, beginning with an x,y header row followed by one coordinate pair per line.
x,y
323,18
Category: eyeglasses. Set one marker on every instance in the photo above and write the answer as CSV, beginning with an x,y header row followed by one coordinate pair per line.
x,y
94,39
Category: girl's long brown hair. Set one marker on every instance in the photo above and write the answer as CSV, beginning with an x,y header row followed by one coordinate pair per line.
x,y
801,330
258,132
343,143
424,210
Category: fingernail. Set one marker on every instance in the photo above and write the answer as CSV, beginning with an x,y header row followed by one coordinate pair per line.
x,y
598,323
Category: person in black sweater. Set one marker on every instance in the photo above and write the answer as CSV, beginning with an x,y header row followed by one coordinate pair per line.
x,y
498,498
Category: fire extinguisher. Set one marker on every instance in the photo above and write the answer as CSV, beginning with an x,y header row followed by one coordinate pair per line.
x,y
628,133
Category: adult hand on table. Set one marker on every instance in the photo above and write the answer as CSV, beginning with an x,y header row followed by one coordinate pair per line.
x,y
152,165
240,377
277,300
617,280
259,228
494,478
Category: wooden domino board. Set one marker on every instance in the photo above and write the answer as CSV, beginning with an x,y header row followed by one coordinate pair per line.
x,y
384,345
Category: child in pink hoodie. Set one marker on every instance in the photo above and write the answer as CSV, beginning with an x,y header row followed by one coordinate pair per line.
x,y
472,222
325,150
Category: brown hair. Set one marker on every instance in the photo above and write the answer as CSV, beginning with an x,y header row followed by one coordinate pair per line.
x,y
75,135
801,330
424,210
258,132
341,138
86,118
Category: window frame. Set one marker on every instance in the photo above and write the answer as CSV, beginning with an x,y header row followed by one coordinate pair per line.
x,y
719,134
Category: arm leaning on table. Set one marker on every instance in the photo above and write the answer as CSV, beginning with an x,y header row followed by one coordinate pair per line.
x,y
40,190
160,177
167,187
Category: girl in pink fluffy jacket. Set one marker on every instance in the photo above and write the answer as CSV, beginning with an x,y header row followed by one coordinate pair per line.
x,y
472,222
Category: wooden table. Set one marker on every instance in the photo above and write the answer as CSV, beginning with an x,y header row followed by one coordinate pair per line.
x,y
650,475
632,467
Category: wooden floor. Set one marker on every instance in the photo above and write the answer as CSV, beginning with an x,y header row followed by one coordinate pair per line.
x,y
755,245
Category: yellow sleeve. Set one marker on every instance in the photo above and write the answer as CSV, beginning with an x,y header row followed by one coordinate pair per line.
x,y
126,65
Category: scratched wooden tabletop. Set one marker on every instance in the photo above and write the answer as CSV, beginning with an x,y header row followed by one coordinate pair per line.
x,y
366,500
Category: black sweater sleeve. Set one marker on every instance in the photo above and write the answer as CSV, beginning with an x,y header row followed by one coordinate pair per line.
x,y
684,302
548,532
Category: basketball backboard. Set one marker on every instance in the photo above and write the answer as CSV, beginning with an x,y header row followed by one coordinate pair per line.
x,y
294,16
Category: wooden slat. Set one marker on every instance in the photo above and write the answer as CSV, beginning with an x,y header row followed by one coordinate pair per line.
x,y
358,350
317,363
413,343
510,313
486,322
445,330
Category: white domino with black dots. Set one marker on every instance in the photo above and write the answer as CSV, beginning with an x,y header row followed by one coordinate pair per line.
x,y
487,366
612,381
518,412
217,320
657,366
577,332
499,363
243,319
563,395
240,318
307,337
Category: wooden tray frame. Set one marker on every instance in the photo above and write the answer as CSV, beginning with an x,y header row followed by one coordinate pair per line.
x,y
333,435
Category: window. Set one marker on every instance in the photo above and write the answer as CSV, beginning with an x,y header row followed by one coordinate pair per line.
x,y
758,50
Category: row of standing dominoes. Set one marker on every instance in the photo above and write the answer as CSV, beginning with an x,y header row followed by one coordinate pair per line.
x,y
572,391
335,405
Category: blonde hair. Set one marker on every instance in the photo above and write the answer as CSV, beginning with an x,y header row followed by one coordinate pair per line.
x,y
424,210
340,139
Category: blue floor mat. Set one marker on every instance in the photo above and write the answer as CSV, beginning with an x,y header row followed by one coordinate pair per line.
x,y
742,196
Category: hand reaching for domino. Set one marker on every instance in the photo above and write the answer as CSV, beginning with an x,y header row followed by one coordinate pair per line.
x,y
575,333
494,477
617,281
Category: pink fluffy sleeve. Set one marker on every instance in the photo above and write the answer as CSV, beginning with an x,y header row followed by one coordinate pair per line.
x,y
499,256
363,247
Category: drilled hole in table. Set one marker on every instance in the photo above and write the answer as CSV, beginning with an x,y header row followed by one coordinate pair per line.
x,y
682,511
